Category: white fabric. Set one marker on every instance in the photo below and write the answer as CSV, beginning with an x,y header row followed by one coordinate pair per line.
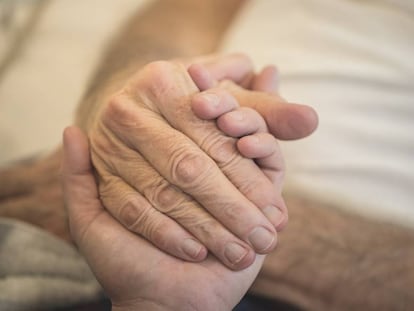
x,y
41,272
41,88
352,61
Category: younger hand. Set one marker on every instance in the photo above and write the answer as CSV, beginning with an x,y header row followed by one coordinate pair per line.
x,y
135,274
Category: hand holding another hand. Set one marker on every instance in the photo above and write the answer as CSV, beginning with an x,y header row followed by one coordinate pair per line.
x,y
179,181
135,274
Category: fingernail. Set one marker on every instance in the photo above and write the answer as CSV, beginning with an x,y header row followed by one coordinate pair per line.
x,y
210,98
274,215
235,252
192,248
261,239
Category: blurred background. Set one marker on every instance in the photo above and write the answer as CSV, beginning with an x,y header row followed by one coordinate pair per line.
x,y
48,51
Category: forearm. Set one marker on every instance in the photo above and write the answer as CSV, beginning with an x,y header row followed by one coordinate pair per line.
x,y
330,260
164,30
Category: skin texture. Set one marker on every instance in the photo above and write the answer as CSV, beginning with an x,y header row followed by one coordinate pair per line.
x,y
109,247
129,195
366,265
98,235
328,259
139,184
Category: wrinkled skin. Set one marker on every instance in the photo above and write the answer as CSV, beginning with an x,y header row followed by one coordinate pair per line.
x,y
149,170
354,268
135,274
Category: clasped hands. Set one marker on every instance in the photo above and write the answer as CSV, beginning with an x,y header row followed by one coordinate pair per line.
x,y
192,172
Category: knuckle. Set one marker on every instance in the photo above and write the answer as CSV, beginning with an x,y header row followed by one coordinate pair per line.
x,y
207,229
233,212
189,168
249,188
189,214
99,146
159,67
135,213
157,75
129,213
165,197
122,115
157,232
117,110
221,148
130,209
169,200
106,151
157,81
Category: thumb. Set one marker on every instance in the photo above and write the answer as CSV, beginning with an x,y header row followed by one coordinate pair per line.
x,y
79,185
286,121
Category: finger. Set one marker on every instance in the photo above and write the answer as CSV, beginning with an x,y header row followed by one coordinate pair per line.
x,y
156,215
201,77
243,173
266,80
134,211
264,148
257,144
96,233
285,121
236,67
190,169
211,104
79,185
240,122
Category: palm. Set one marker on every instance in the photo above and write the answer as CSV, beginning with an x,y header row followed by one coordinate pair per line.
x,y
131,269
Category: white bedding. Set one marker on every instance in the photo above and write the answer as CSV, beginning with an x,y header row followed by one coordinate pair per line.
x,y
40,89
352,61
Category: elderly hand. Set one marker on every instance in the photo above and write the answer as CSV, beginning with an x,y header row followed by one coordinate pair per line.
x,y
135,274
159,166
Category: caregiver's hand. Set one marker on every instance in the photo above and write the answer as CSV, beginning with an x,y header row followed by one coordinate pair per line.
x,y
135,274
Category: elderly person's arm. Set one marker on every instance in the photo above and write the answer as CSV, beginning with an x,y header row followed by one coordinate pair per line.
x,y
154,179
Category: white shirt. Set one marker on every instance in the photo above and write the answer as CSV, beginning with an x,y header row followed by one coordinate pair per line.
x,y
353,62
